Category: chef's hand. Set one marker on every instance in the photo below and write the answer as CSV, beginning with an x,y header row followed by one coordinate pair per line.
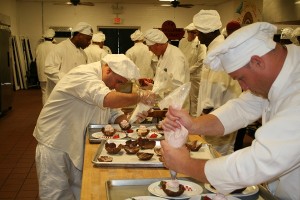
x,y
141,117
146,97
174,158
176,117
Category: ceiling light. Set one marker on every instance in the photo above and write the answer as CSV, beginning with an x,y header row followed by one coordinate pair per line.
x,y
297,2
166,0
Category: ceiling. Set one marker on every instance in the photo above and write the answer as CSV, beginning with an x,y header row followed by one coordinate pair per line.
x,y
155,2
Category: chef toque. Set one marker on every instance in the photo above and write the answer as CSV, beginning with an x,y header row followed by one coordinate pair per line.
x,y
207,21
238,48
122,65
190,27
84,28
286,33
50,33
155,36
137,35
295,34
98,37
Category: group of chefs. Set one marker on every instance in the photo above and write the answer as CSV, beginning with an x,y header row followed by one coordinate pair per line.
x,y
81,89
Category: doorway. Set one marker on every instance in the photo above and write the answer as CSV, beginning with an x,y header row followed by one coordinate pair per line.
x,y
118,38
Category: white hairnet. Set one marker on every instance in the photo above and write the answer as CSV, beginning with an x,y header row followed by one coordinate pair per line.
x,y
238,48
286,33
122,65
207,21
50,33
84,28
190,27
155,36
137,35
294,36
98,37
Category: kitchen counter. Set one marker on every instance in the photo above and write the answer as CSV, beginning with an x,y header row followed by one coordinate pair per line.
x,y
94,178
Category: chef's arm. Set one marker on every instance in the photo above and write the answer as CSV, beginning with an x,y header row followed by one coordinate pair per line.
x,y
207,125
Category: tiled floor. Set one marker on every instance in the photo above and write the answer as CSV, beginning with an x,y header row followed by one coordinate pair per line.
x,y
17,147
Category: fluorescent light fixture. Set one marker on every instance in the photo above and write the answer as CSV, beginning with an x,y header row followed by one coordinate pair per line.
x,y
166,0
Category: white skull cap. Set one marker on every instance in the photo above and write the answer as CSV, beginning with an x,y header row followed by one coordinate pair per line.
x,y
50,33
286,33
122,65
84,28
137,35
207,21
98,37
190,27
238,48
155,36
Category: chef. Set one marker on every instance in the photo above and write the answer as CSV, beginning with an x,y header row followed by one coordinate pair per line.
x,y
172,67
268,72
94,52
140,55
67,55
195,53
42,51
84,96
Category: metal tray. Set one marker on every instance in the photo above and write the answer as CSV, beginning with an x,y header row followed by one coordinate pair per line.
x,y
127,188
124,160
93,128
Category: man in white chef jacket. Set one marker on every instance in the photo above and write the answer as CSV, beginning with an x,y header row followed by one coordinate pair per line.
x,y
269,74
94,52
67,55
139,53
172,64
42,51
195,53
84,96
216,87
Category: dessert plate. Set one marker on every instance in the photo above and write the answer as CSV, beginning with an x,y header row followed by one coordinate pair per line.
x,y
145,198
251,190
192,189
100,135
151,135
199,197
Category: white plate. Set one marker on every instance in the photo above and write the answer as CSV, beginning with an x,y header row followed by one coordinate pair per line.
x,y
198,197
251,190
156,190
134,135
100,135
145,198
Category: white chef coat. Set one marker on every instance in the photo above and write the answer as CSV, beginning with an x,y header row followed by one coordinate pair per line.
x,y
195,53
142,57
94,53
64,57
274,155
76,101
173,63
42,51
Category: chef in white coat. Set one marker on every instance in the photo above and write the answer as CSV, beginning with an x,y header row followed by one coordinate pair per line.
x,y
83,96
172,64
94,52
141,55
195,53
67,55
42,50
269,73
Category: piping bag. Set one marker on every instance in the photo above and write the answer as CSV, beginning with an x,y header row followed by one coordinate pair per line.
x,y
176,99
162,84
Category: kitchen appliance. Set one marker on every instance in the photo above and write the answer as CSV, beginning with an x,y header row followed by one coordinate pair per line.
x,y
6,87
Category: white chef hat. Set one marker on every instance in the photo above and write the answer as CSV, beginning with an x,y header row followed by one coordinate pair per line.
x,y
155,36
207,21
286,33
238,48
84,28
295,34
190,27
98,37
137,35
50,33
122,65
